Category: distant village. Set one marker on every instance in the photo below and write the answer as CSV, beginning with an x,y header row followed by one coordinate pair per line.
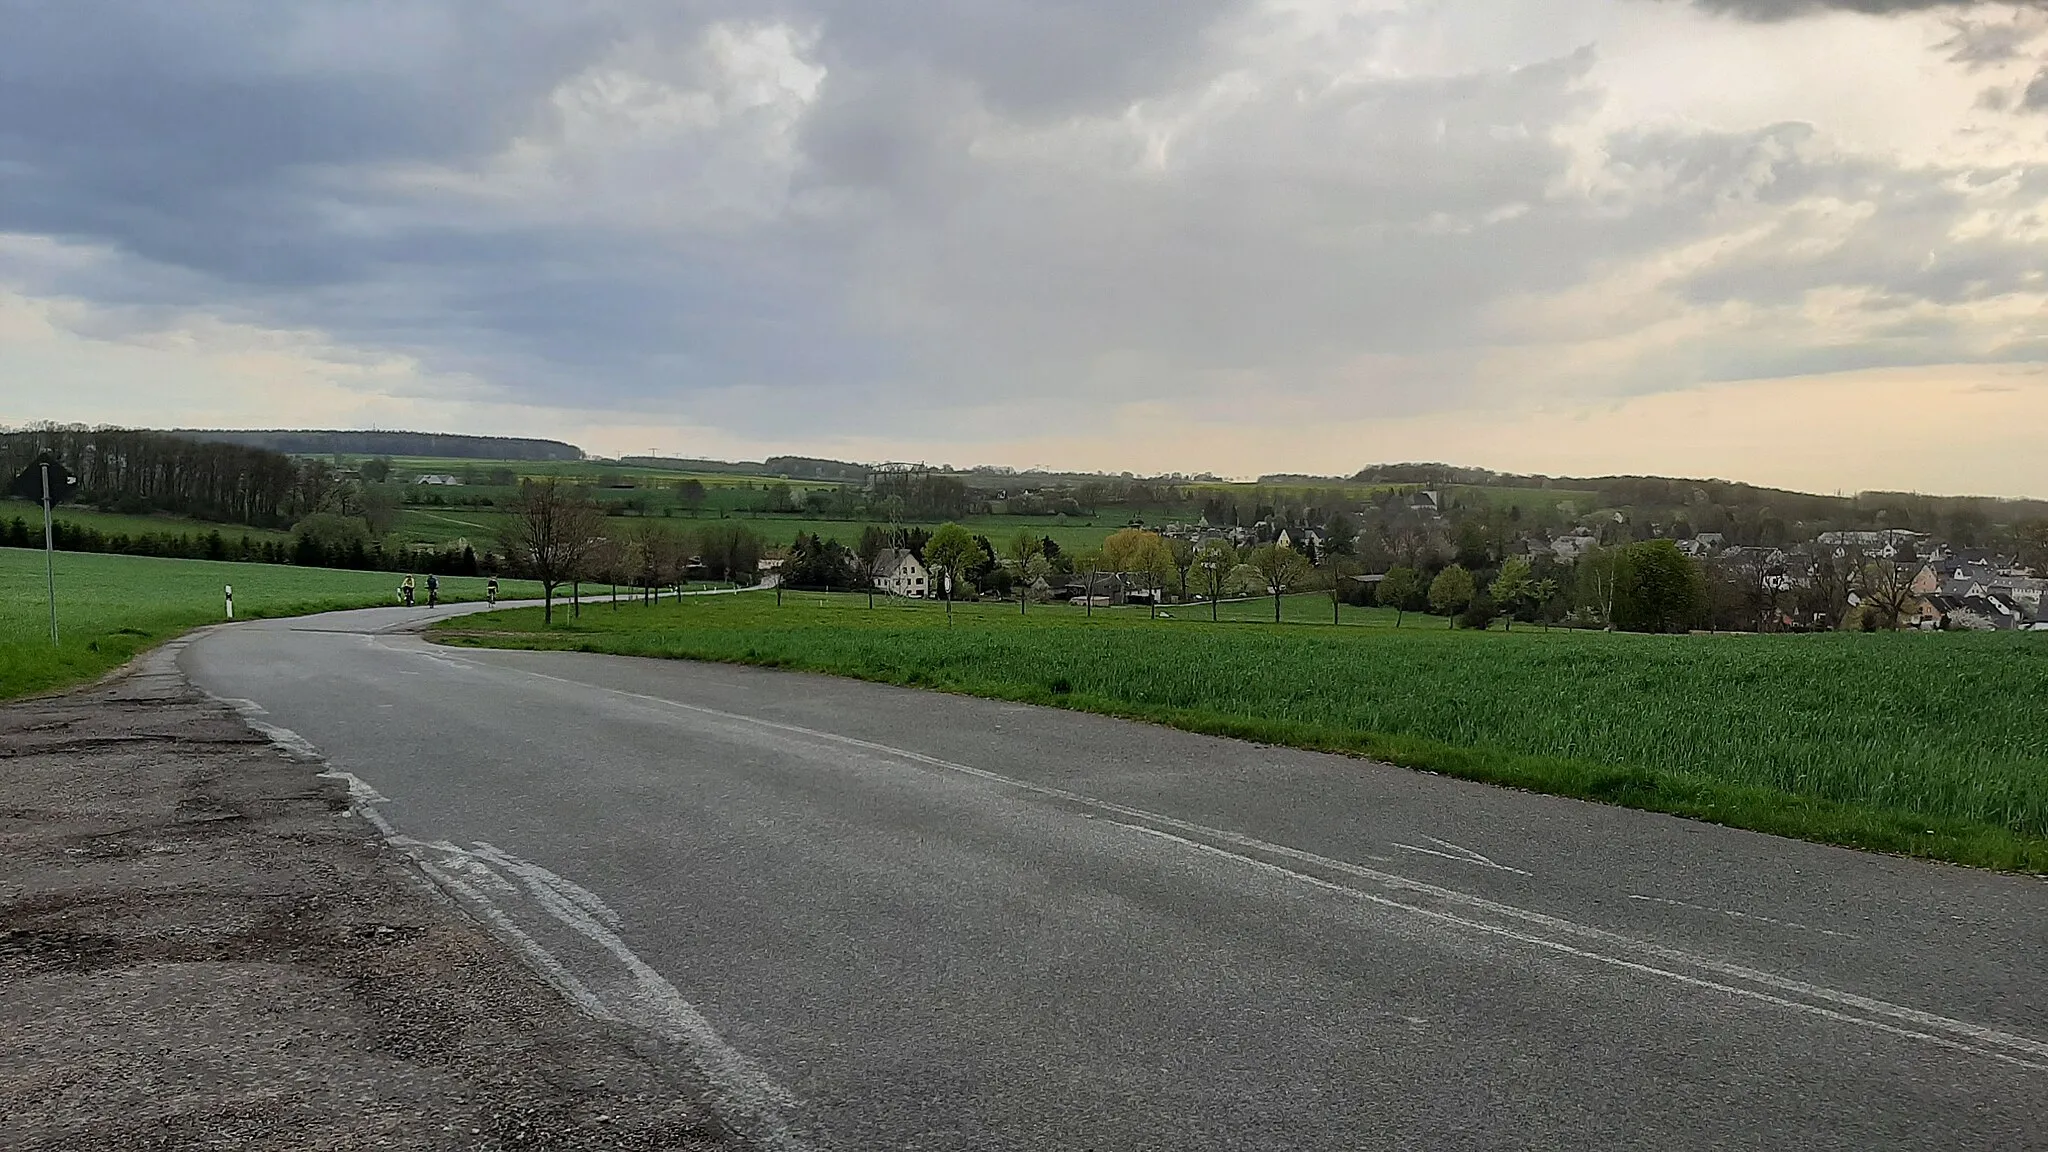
x,y
1844,578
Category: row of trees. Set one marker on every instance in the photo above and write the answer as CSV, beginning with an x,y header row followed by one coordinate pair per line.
x,y
319,547
558,536
131,471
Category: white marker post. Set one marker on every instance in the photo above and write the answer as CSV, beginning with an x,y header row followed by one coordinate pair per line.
x,y
230,590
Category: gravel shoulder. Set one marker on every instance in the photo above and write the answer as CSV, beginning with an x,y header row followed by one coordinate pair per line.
x,y
202,947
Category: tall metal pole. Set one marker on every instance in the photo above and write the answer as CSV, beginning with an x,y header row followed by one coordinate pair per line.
x,y
49,552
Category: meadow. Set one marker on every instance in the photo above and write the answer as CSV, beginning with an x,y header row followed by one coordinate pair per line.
x,y
1932,745
109,608
113,522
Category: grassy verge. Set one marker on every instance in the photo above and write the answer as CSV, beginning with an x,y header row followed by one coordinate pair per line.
x,y
1928,745
110,608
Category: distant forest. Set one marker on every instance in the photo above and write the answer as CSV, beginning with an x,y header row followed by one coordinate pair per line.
x,y
310,442
123,470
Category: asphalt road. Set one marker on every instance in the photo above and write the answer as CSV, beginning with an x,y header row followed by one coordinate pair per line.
x,y
880,918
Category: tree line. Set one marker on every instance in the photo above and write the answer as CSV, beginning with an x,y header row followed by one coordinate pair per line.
x,y
123,470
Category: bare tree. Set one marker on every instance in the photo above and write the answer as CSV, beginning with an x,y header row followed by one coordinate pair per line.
x,y
1216,562
1184,556
1746,587
1887,586
1834,575
1339,568
551,534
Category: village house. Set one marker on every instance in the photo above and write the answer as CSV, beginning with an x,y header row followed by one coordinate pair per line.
x,y
1580,542
1299,538
899,572
1970,613
1889,543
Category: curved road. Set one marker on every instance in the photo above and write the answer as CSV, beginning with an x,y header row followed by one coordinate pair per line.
x,y
880,918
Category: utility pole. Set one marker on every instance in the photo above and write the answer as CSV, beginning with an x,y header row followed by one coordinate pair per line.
x,y
49,551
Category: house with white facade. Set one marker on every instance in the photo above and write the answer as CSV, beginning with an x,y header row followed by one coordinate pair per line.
x,y
899,572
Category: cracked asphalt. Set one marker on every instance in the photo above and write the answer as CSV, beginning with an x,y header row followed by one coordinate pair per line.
x,y
201,947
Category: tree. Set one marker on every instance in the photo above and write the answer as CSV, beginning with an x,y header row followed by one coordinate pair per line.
x,y
1400,588
1022,549
731,552
1216,562
1340,533
1141,553
2030,541
1599,572
611,561
1088,560
1888,592
815,563
1124,550
1479,614
1338,567
1282,569
655,558
381,504
691,493
1452,589
1658,589
873,540
1183,554
549,536
377,471
326,532
951,552
1515,586
1833,577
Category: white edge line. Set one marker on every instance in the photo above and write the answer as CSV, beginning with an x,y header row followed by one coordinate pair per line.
x,y
1916,1016
1581,953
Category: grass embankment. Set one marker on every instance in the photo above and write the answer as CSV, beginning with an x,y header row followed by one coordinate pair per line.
x,y
1931,745
109,608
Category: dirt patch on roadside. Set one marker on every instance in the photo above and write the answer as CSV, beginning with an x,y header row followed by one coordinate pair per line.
x,y
200,947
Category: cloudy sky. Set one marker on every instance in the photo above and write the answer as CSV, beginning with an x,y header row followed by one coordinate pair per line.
x,y
1792,241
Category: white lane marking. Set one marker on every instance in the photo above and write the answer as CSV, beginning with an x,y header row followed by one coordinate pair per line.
x,y
539,958
1977,1032
1731,913
748,1097
743,1088
575,893
1458,852
1582,953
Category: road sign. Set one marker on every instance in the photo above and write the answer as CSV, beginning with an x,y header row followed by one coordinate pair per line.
x,y
29,485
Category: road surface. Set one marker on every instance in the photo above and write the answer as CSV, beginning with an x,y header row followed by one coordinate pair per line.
x,y
880,918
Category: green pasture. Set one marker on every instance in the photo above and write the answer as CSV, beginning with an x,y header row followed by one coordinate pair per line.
x,y
112,522
109,608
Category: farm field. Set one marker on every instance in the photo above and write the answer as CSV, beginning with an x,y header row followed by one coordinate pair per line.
x,y
112,522
1921,744
109,608
427,524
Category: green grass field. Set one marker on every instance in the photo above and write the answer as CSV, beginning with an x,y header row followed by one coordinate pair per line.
x,y
1932,745
112,522
110,608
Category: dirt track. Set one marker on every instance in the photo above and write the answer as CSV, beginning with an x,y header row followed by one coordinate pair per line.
x,y
200,947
